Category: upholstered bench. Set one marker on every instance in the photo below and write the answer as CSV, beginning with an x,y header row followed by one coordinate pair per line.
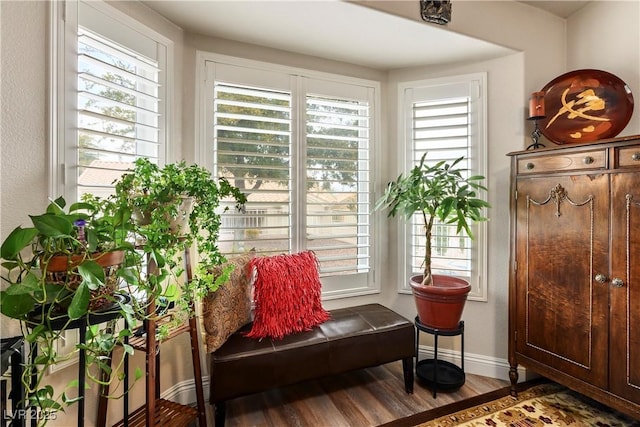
x,y
354,338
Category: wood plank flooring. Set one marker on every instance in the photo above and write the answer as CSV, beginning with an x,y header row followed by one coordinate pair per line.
x,y
368,397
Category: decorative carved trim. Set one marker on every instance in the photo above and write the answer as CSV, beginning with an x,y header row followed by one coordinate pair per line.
x,y
559,194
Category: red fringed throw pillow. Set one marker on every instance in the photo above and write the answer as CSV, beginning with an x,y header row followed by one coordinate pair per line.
x,y
287,295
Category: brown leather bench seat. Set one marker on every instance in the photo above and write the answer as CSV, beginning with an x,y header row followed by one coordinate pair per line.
x,y
354,338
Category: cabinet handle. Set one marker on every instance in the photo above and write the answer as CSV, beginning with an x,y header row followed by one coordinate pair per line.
x,y
530,166
601,278
635,156
588,160
617,283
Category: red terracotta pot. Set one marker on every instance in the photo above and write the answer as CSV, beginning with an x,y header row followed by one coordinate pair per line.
x,y
440,306
62,271
63,263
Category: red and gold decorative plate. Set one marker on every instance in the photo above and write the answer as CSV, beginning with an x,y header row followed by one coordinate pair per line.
x,y
585,106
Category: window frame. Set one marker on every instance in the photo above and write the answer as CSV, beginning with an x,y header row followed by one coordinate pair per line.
x,y
204,138
63,90
479,145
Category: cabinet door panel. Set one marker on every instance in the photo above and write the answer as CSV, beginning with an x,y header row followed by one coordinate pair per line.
x,y
562,234
625,298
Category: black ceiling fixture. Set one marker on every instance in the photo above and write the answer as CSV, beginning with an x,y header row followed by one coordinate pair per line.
x,y
437,12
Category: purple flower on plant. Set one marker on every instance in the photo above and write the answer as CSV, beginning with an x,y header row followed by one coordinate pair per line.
x,y
79,224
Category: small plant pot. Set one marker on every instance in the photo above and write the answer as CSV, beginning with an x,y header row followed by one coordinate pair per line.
x,y
440,306
62,270
179,225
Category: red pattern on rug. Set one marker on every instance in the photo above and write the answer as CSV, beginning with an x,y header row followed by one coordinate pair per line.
x,y
287,295
543,405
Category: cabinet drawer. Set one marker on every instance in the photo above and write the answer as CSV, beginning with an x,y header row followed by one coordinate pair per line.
x,y
628,157
594,159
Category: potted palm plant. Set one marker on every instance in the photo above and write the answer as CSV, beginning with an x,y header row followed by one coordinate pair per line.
x,y
441,192
65,267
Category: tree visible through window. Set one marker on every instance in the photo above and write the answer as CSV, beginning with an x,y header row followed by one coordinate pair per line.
x,y
441,128
308,174
253,134
118,111
337,181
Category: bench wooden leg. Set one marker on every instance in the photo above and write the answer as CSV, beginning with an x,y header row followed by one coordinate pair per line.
x,y
407,367
219,413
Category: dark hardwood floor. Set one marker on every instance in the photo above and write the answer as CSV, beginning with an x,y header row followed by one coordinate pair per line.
x,y
367,397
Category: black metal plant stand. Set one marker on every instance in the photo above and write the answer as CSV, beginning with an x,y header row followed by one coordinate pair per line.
x,y
12,356
107,314
440,374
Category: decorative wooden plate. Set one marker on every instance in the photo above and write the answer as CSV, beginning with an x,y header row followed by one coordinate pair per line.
x,y
585,106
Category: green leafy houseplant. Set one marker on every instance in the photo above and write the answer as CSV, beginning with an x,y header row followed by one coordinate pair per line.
x,y
157,195
63,268
437,191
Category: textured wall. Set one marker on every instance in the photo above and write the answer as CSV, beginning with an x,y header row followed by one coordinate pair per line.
x,y
23,125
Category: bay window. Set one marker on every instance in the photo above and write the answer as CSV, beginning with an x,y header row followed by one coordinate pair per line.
x,y
299,145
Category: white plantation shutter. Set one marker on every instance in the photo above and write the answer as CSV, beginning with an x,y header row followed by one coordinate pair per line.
x,y
253,150
119,111
441,128
338,180
446,120
109,97
299,148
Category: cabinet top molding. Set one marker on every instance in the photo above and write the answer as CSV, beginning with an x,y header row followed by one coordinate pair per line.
x,y
622,140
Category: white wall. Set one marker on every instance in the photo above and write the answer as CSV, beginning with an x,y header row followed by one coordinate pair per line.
x,y
606,36
23,132
548,46
538,34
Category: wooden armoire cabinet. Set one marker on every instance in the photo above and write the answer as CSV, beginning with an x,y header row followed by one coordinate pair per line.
x,y
574,291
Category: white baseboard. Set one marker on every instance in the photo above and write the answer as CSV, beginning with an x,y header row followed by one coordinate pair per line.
x,y
476,364
184,392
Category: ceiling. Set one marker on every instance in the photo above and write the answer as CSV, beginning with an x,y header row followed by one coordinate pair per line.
x,y
320,27
563,9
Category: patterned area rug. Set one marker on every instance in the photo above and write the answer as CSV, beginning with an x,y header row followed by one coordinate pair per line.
x,y
540,406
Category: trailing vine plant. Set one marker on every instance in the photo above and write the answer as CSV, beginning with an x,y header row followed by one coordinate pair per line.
x,y
62,269
158,197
